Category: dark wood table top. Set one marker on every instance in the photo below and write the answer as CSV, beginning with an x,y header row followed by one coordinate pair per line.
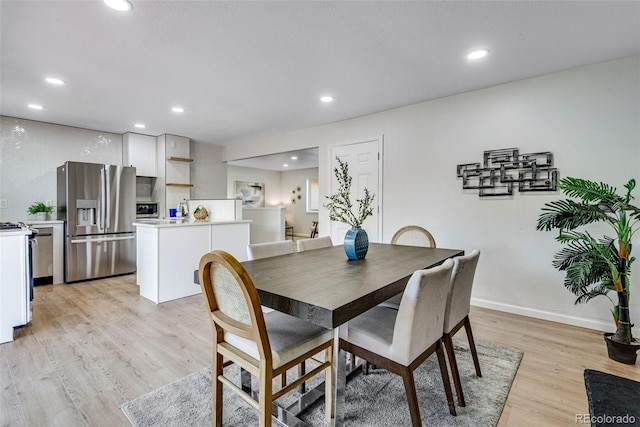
x,y
323,287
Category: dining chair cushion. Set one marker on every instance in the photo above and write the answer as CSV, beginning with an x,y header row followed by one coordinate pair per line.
x,y
393,302
289,337
269,249
373,330
317,243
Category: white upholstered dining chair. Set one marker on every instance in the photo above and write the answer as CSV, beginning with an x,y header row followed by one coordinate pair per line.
x,y
457,314
400,340
266,345
269,249
316,243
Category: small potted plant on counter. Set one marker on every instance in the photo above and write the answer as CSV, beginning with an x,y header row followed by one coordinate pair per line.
x,y
594,267
356,241
40,210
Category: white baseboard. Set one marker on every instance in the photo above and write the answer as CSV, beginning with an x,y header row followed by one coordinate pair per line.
x,y
597,325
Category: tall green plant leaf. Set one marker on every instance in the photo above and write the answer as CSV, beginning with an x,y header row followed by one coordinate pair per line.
x,y
587,190
568,215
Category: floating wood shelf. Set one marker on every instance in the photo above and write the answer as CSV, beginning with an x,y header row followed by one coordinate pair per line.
x,y
173,184
180,159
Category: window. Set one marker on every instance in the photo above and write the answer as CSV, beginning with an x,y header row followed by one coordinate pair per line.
x,y
313,195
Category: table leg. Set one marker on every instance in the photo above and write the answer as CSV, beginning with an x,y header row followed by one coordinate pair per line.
x,y
339,375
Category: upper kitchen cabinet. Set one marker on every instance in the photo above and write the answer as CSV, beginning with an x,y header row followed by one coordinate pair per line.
x,y
140,151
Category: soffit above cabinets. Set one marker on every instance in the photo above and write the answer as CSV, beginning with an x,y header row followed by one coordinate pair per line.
x,y
306,159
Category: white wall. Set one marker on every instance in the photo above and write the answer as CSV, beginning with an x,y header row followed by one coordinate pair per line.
x,y
30,153
588,118
296,213
208,172
279,192
271,180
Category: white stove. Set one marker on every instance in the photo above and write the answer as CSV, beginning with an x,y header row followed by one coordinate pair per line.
x,y
16,277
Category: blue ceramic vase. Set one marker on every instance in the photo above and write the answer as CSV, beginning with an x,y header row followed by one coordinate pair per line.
x,y
356,243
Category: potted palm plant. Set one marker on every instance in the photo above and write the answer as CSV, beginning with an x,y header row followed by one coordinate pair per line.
x,y
356,241
595,267
40,210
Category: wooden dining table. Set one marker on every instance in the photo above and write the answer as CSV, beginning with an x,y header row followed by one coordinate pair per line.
x,y
323,287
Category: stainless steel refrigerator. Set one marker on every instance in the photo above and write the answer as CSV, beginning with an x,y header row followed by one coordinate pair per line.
x,y
98,204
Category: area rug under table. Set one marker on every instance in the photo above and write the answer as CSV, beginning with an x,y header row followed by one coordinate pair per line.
x,y
376,399
613,400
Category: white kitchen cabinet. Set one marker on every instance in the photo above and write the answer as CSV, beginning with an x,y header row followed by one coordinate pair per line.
x,y
140,151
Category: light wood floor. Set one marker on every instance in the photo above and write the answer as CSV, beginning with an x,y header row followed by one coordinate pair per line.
x,y
92,346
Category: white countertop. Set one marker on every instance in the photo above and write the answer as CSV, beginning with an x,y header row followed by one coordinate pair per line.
x,y
177,222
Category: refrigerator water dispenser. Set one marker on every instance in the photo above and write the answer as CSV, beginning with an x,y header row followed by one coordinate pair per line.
x,y
86,212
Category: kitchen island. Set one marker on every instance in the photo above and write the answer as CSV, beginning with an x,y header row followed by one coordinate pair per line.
x,y
168,250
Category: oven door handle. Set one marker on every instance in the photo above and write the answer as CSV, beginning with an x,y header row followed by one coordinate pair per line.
x,y
103,239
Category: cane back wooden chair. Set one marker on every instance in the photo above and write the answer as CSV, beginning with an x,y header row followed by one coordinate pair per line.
x,y
264,344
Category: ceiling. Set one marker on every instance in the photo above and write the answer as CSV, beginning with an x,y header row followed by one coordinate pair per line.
x,y
244,70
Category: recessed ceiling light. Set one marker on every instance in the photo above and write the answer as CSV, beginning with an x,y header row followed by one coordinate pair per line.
x,y
140,125
36,106
177,110
285,165
326,98
121,5
478,54
54,81
294,157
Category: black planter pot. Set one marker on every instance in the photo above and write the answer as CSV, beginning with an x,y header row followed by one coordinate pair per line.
x,y
623,353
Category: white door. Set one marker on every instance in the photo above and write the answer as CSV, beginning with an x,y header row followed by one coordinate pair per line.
x,y
364,159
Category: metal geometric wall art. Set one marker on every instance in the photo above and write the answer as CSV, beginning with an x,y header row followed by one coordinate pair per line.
x,y
503,168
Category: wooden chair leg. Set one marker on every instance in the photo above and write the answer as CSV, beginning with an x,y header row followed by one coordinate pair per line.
x,y
445,378
448,345
472,345
216,387
412,396
264,398
365,367
329,402
301,371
